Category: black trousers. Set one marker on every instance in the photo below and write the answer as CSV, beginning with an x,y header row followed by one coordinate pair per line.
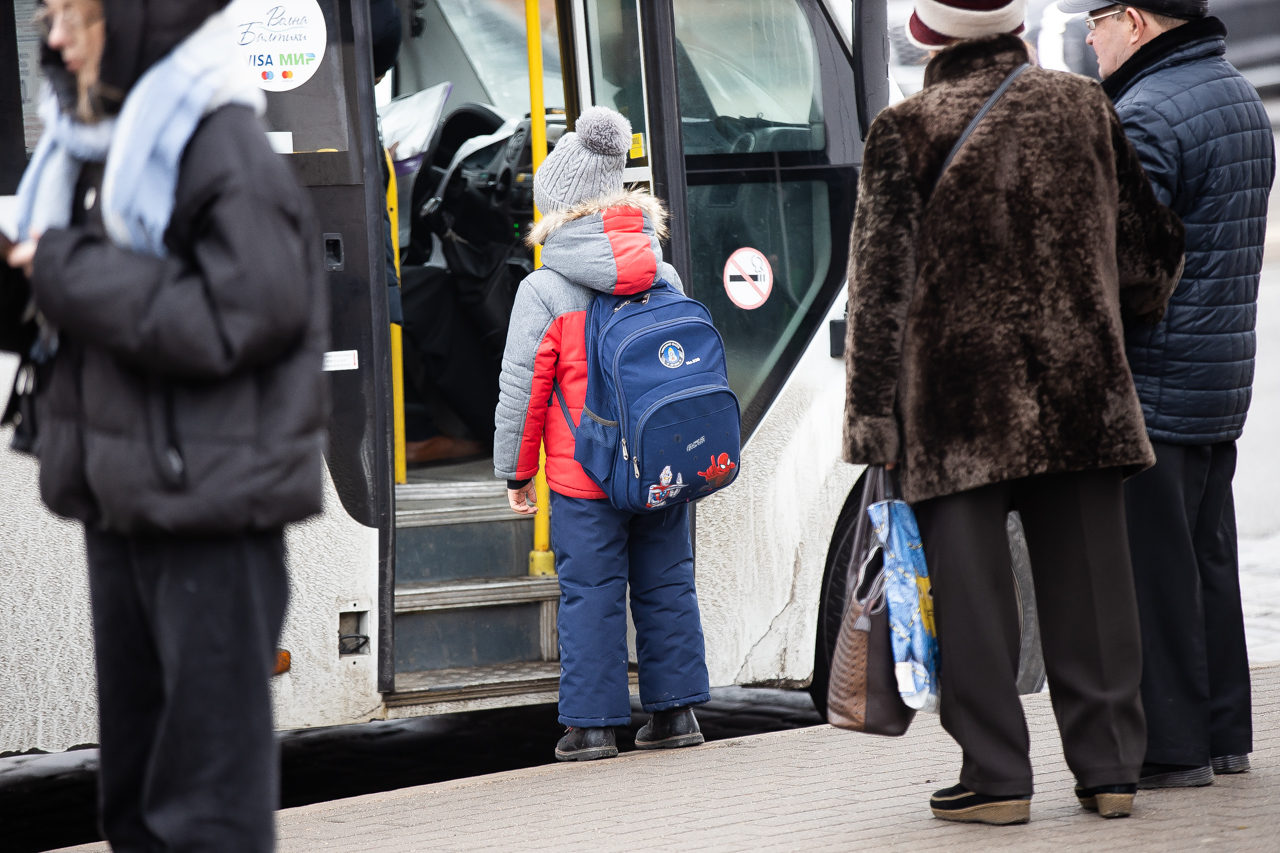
x,y
185,631
1195,677
1088,623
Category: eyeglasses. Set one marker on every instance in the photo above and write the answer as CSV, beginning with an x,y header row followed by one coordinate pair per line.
x,y
1092,21
74,15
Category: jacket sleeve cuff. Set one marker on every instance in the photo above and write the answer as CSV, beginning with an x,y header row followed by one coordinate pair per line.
x,y
516,485
871,440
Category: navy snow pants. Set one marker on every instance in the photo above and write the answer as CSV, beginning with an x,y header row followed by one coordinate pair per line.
x,y
599,550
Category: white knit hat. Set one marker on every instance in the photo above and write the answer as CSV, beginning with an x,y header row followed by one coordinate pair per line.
x,y
586,163
937,23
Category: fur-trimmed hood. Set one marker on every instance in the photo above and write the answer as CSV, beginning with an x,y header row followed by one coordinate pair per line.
x,y
639,199
610,244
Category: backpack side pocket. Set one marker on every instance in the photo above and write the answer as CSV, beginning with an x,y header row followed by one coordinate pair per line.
x,y
596,447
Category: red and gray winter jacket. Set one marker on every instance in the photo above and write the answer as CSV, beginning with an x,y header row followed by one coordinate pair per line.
x,y
608,245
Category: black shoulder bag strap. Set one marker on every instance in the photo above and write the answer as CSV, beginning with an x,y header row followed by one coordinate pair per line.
x,y
982,113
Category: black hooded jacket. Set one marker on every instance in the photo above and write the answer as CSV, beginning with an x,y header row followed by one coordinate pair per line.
x,y
187,395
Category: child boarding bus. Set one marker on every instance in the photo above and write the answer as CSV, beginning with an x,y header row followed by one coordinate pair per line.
x,y
418,591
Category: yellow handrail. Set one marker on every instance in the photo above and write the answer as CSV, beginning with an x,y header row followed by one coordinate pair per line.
x,y
397,334
541,560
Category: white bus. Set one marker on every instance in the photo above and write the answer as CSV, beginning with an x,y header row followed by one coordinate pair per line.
x,y
417,598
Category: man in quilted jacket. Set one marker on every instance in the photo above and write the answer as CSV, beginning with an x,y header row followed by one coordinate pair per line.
x,y
1206,144
597,238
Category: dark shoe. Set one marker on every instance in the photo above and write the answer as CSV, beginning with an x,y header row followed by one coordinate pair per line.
x,y
579,744
1225,765
960,804
1107,800
440,448
670,730
1174,776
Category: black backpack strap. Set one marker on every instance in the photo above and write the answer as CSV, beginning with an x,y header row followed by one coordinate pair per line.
x,y
568,418
982,113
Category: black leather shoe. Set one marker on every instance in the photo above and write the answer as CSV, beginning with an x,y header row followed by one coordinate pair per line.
x,y
579,744
1225,765
670,730
960,804
1107,800
1174,776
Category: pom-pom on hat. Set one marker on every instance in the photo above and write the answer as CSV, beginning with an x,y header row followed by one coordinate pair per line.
x,y
937,23
586,163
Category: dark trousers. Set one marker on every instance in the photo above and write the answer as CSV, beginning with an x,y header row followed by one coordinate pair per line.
x,y
1088,623
1195,677
185,631
599,550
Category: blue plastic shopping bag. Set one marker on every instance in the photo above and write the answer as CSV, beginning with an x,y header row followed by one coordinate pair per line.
x,y
910,602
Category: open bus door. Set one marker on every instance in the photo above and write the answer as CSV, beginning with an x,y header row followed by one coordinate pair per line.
x,y
321,115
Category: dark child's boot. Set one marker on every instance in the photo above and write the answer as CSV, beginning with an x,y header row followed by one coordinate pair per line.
x,y
1174,776
1107,800
960,804
580,744
1225,765
670,730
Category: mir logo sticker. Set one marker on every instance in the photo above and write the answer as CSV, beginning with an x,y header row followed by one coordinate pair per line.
x,y
671,354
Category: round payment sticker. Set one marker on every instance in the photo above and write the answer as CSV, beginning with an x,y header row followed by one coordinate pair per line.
x,y
281,42
748,278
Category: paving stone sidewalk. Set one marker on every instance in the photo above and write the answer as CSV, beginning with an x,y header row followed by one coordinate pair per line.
x,y
815,789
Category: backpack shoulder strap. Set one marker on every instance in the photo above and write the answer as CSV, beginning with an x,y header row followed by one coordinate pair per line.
x,y
568,418
982,113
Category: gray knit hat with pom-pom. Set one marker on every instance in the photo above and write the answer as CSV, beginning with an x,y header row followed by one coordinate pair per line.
x,y
585,164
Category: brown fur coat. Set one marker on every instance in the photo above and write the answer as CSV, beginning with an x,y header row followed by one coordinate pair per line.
x,y
985,340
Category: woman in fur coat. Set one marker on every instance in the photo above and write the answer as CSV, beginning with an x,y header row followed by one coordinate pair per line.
x,y
986,362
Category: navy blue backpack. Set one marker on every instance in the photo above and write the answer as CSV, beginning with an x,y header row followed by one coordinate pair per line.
x,y
660,426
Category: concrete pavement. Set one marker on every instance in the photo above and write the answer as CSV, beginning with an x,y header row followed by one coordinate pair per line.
x,y
1257,480
814,789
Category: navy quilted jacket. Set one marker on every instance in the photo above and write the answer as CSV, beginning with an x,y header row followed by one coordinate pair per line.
x,y
1206,143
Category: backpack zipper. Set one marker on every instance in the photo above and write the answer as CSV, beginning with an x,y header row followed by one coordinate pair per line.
x,y
627,302
670,398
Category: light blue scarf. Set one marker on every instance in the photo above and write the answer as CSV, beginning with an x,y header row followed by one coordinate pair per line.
x,y
142,147
45,193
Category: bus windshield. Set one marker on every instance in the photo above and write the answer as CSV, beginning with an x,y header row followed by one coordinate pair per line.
x,y
748,77
492,35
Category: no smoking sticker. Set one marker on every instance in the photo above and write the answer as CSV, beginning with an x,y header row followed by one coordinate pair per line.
x,y
748,278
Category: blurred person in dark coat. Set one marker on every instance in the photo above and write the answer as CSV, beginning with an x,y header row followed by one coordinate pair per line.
x,y
1206,143
175,322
